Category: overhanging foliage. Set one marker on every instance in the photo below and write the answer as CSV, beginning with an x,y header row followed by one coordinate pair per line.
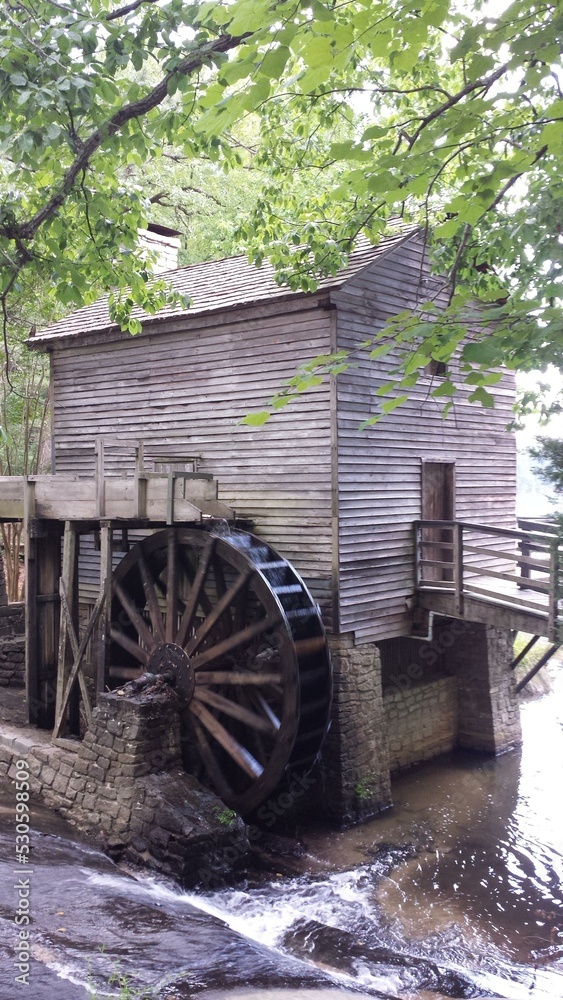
x,y
418,108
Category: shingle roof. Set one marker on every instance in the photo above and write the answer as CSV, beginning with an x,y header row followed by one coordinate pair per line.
x,y
220,284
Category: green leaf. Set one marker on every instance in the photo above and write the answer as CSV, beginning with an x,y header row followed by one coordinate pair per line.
x,y
256,419
447,229
481,395
484,352
274,62
445,388
318,52
392,404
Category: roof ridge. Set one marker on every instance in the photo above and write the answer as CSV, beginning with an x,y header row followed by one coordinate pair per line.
x,y
246,284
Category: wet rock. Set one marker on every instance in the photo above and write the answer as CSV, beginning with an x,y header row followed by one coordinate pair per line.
x,y
186,836
332,947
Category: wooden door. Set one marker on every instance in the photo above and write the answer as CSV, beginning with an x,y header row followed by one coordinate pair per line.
x,y
438,504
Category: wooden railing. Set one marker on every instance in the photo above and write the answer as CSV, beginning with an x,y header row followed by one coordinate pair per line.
x,y
519,568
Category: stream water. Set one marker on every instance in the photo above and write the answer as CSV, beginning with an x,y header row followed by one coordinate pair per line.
x,y
457,891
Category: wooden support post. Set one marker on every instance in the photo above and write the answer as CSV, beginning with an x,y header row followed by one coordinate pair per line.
x,y
418,553
554,570
102,627
100,478
67,591
526,551
30,558
140,483
43,567
537,666
170,498
71,670
458,569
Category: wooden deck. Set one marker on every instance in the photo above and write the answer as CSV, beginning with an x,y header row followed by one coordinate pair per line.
x,y
163,498
497,576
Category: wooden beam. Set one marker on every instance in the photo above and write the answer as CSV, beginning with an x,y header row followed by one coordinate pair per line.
x,y
101,635
66,633
458,568
554,595
100,478
31,658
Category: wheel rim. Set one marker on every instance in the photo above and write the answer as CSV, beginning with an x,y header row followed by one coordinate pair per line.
x,y
240,630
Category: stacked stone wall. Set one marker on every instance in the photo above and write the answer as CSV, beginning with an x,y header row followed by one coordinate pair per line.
x,y
12,638
126,785
481,658
422,721
12,645
354,768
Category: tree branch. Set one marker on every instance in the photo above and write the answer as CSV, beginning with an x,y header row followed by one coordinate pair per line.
x,y
483,83
127,9
136,109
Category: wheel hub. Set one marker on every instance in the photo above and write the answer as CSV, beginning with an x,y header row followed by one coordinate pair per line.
x,y
170,656
231,613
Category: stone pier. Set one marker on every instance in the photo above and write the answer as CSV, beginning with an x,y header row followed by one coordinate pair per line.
x,y
355,766
406,701
490,715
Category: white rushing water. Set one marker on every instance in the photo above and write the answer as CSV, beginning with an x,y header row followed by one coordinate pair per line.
x,y
456,891
478,891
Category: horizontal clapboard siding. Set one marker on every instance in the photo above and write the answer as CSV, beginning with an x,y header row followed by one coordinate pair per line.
x,y
184,392
379,469
338,503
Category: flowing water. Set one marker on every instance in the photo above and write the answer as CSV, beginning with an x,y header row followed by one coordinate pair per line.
x,y
456,892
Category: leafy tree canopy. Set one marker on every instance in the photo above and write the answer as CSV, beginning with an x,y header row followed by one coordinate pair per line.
x,y
548,454
426,109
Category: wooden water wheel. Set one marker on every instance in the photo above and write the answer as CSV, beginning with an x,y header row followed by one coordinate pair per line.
x,y
236,625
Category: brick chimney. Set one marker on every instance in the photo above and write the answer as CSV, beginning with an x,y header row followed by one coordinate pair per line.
x,y
164,243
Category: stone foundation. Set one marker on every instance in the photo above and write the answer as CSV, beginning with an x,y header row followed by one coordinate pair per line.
x,y
12,645
455,691
354,765
125,784
490,714
422,721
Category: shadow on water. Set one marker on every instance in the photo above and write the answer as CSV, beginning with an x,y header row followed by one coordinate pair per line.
x,y
455,892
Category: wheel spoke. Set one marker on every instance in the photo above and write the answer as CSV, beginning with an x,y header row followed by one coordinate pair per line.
x,y
236,751
233,642
151,598
239,617
132,647
171,587
267,709
220,608
206,604
135,618
235,677
192,602
189,572
235,711
208,758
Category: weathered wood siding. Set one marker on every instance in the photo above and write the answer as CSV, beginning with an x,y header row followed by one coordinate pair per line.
x,y
183,389
379,469
337,502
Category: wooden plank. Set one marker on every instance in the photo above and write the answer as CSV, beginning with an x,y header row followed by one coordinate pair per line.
x,y
67,632
541,586
101,634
